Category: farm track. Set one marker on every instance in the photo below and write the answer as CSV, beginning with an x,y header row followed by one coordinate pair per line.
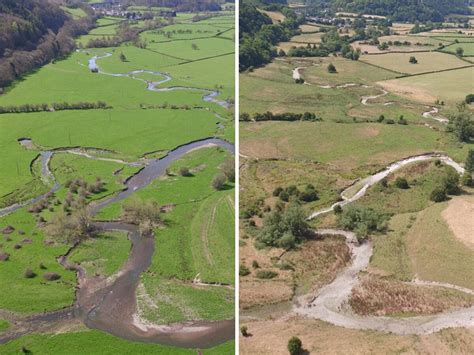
x,y
110,305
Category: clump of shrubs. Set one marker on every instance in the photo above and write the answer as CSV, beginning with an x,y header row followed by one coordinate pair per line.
x,y
309,194
51,276
266,274
401,183
362,220
219,181
243,270
29,274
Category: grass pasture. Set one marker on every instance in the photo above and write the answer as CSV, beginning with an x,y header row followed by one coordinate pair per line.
x,y
365,146
467,47
97,342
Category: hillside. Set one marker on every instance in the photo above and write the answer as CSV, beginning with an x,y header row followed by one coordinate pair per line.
x,y
405,10
32,33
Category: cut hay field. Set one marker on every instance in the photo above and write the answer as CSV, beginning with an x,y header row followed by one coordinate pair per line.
x,y
426,88
427,62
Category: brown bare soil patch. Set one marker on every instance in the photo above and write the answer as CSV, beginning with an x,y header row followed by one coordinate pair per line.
x,y
368,132
271,337
379,297
459,215
410,92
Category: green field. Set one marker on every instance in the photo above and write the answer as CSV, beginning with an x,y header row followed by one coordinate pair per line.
x,y
97,342
467,47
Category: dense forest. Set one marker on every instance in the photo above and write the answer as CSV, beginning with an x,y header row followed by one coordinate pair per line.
x,y
401,10
32,33
258,35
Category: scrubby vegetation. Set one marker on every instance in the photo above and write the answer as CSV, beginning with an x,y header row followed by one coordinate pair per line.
x,y
362,220
284,228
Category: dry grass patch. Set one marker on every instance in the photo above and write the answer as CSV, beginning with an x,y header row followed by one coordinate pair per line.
x,y
427,88
427,62
379,297
459,215
271,337
314,264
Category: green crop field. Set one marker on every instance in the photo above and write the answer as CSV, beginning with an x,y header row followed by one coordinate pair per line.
x,y
467,47
97,342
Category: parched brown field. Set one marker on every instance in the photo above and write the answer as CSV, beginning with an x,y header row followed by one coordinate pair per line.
x,y
417,44
459,215
402,28
309,28
271,337
308,38
276,16
428,88
427,62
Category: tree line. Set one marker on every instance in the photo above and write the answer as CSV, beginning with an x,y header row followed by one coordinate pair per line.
x,y
286,116
57,106
258,35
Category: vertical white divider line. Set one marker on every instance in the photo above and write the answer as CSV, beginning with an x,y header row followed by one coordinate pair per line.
x,y
237,175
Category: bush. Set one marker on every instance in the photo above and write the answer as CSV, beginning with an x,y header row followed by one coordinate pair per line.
x,y
362,220
413,60
281,223
284,196
401,183
243,270
331,68
266,274
337,209
184,171
438,195
51,276
243,331
255,264
228,169
29,274
309,194
467,179
295,346
469,99
219,181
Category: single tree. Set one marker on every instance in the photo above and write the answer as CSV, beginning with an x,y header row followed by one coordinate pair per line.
x,y
244,331
295,346
401,183
459,52
469,165
413,60
219,181
331,68
123,58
